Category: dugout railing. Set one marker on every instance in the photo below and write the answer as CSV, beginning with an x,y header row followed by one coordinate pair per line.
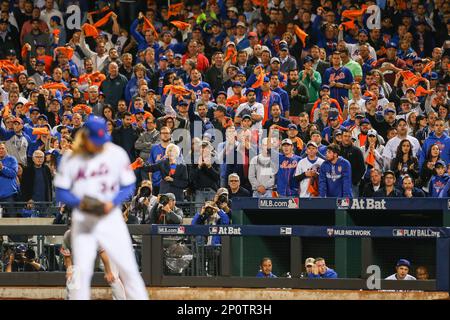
x,y
152,259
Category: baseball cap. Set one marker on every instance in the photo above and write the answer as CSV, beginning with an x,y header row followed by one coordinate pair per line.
x,y
206,90
230,43
241,24
222,191
325,87
236,84
252,34
372,132
40,62
440,163
286,141
67,95
332,116
68,116
266,79
9,78
11,52
43,116
274,59
308,59
417,60
17,119
163,58
360,115
387,172
97,130
292,126
391,45
310,261
171,196
364,121
137,111
387,110
247,116
35,110
182,103
221,93
3,21
411,89
403,262
234,9
221,108
363,31
249,90
311,143
177,56
337,132
434,76
405,100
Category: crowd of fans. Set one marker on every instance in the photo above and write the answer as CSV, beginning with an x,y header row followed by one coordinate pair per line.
x,y
263,98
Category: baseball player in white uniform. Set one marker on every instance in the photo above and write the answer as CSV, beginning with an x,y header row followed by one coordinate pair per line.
x,y
94,180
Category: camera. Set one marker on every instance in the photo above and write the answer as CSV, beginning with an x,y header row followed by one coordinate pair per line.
x,y
145,192
222,199
164,200
209,211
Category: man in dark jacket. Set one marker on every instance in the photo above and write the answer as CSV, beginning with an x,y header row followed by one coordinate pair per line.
x,y
214,75
165,211
355,156
374,185
37,180
389,190
126,136
298,94
114,85
8,42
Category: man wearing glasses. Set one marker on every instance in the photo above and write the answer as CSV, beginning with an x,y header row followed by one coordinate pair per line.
x,y
157,152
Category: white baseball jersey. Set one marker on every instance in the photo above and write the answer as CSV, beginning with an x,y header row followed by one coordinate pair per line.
x,y
303,166
99,176
394,277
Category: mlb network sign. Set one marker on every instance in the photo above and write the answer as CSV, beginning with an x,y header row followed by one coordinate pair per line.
x,y
361,204
278,203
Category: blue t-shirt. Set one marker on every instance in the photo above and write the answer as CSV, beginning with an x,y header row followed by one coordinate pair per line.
x,y
157,152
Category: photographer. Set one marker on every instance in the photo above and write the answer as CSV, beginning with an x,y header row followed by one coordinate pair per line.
x,y
210,214
165,211
222,200
23,259
142,202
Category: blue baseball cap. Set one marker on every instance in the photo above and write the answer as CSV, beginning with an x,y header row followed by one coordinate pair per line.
x,y
249,90
417,60
325,87
163,58
266,79
35,109
292,126
236,84
67,95
40,62
391,45
403,262
97,130
364,121
387,110
440,163
43,116
434,76
308,59
333,116
136,111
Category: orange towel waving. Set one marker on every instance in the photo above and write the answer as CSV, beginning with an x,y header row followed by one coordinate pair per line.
x,y
354,14
10,67
261,3
301,34
428,67
40,131
55,85
82,107
275,126
67,51
349,25
149,26
180,90
56,32
90,30
6,111
136,164
421,91
231,54
103,20
259,78
97,78
175,9
104,9
180,24
410,79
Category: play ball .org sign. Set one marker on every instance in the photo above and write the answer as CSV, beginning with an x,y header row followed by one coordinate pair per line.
x,y
276,203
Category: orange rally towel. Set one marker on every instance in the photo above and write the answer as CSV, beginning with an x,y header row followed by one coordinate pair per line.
x,y
68,52
135,165
149,26
349,25
231,54
354,14
97,78
313,187
39,131
10,67
180,24
301,34
259,79
261,3
175,9
180,90
54,85
421,91
104,9
428,67
410,79
370,159
84,107
90,30
56,32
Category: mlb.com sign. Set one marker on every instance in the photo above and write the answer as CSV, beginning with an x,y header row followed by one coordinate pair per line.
x,y
277,203
361,204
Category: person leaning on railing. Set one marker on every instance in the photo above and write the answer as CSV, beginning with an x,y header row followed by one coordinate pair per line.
x,y
210,214
8,173
320,270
